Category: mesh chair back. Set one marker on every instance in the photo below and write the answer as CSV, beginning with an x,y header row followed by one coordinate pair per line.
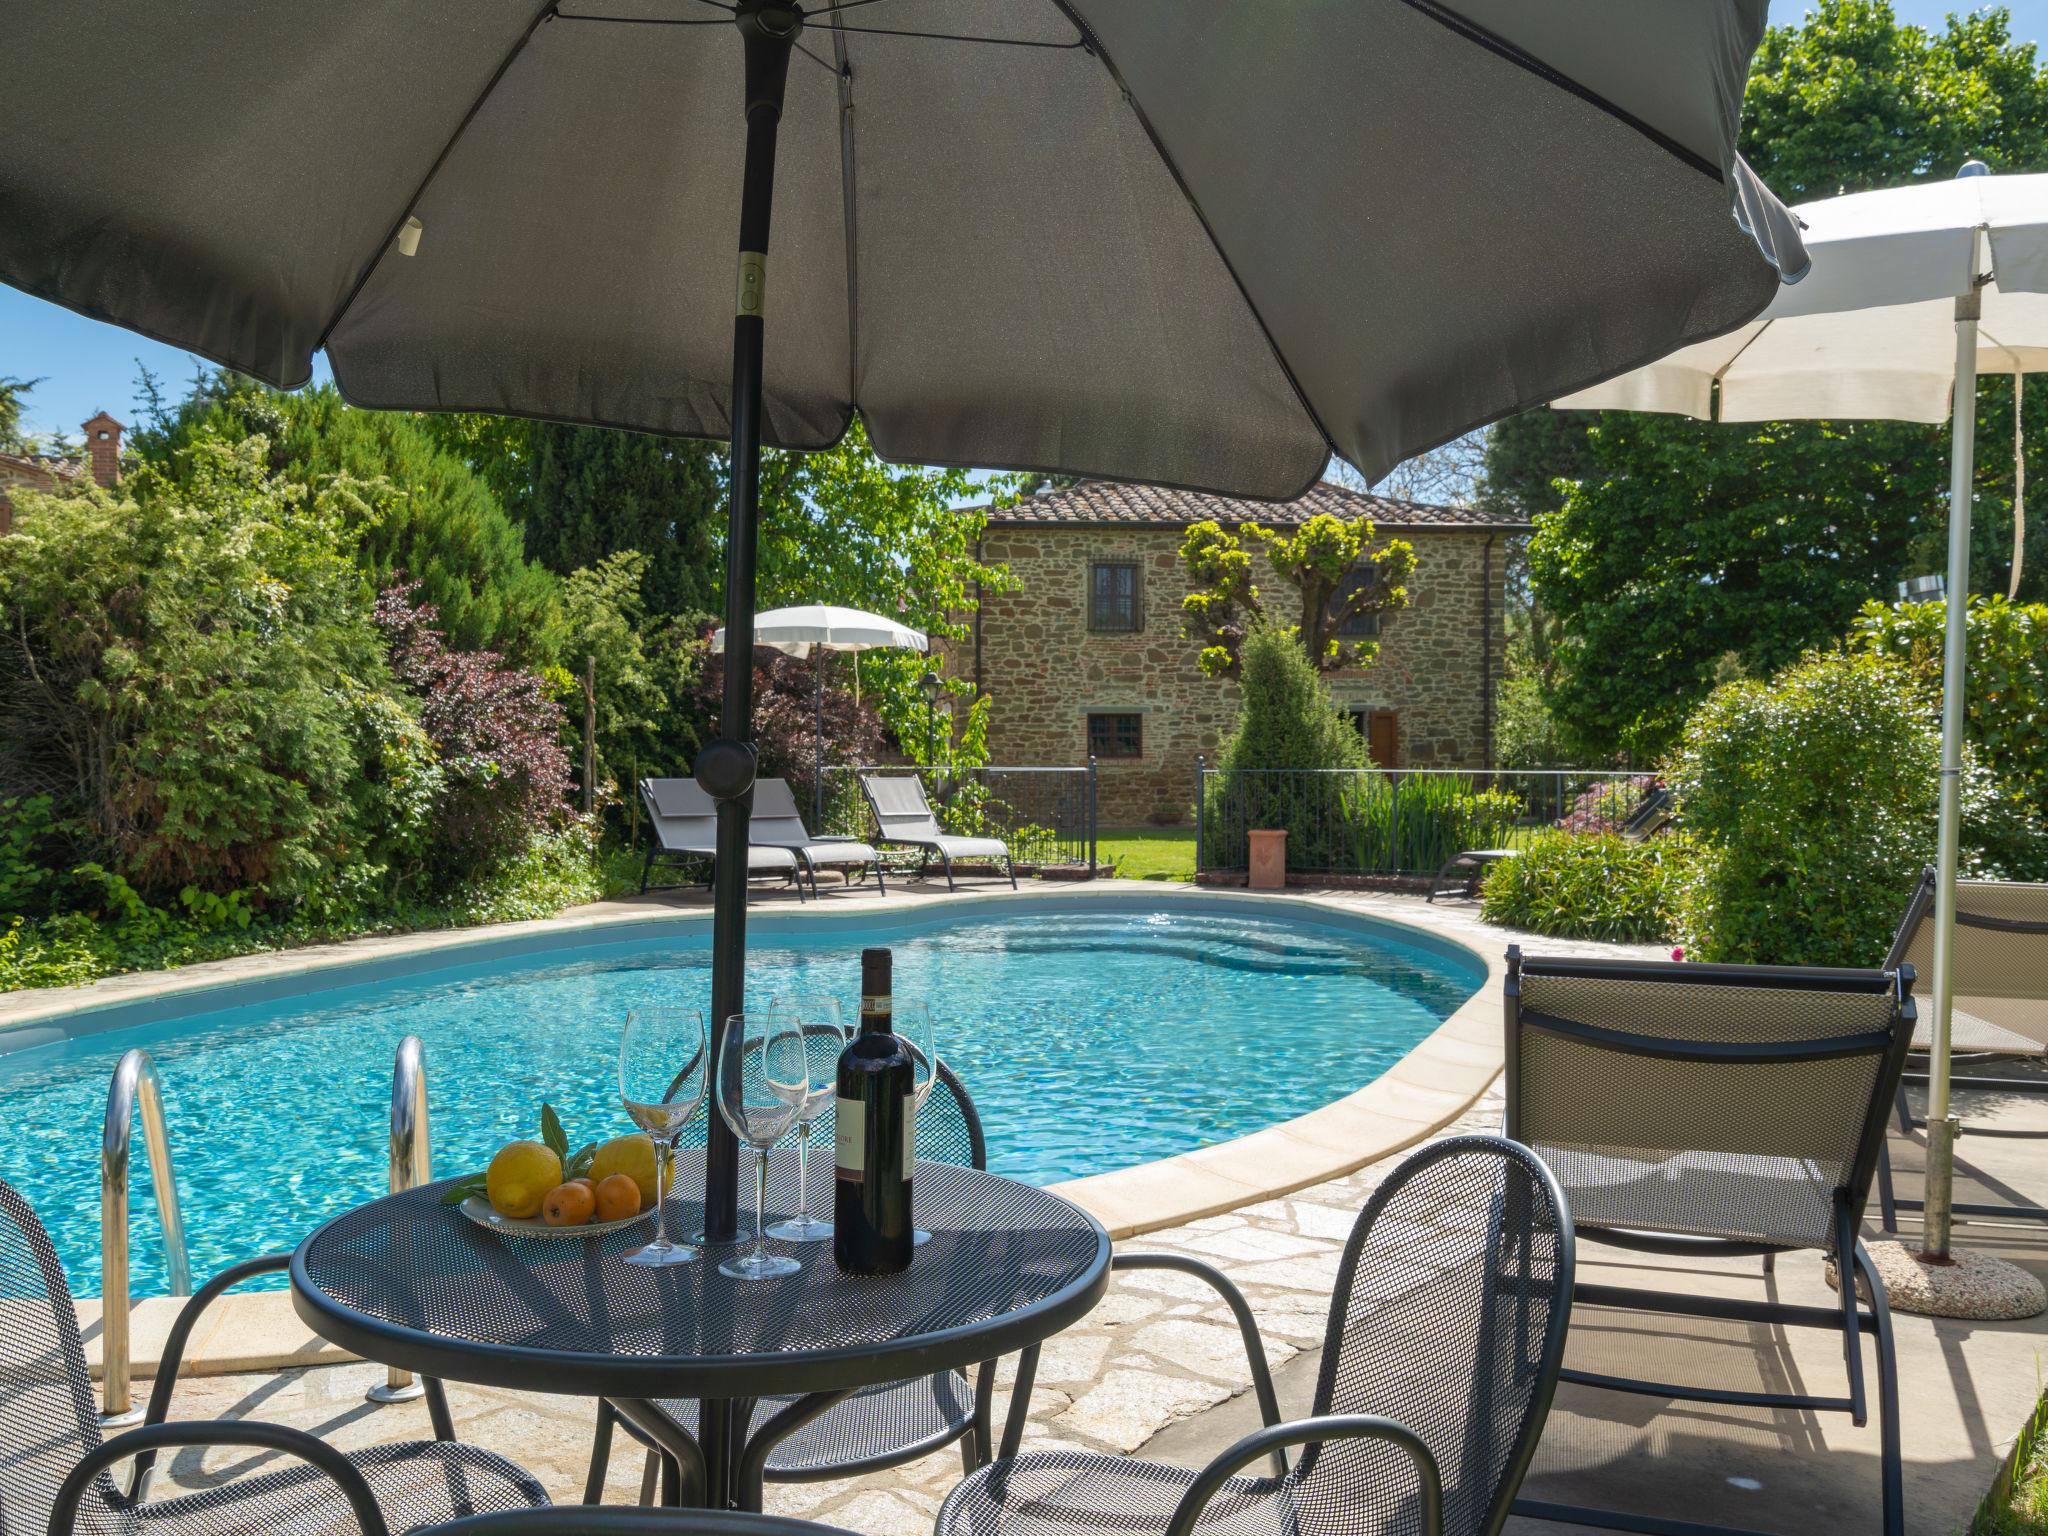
x,y
1449,1316
681,815
776,822
1741,1103
2001,954
47,1418
900,807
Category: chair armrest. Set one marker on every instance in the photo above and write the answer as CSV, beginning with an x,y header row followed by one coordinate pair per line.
x,y
173,1356
151,1438
1247,1325
1344,1426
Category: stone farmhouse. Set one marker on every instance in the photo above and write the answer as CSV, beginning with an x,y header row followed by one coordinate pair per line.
x,y
1085,654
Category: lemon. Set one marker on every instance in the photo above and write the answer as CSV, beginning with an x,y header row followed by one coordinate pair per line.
x,y
631,1155
519,1178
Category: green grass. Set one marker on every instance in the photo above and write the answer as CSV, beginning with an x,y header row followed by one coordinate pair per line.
x,y
1149,853
2021,1508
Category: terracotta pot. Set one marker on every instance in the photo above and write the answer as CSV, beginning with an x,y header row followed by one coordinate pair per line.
x,y
1269,860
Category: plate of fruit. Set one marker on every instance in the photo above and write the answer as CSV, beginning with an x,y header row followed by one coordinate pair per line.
x,y
542,1189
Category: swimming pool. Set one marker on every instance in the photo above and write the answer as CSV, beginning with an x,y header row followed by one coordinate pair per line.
x,y
1093,1034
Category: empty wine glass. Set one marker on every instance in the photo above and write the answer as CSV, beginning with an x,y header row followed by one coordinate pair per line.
x,y
662,1082
763,1080
913,1024
824,1038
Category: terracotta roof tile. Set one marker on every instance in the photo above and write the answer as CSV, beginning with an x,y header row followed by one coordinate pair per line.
x,y
1101,501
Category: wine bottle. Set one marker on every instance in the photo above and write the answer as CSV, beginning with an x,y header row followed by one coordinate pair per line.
x,y
874,1138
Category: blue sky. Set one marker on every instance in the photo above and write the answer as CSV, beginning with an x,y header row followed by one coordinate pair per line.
x,y
86,366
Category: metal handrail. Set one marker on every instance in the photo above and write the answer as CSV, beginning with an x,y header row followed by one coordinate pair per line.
x,y
412,1164
135,1086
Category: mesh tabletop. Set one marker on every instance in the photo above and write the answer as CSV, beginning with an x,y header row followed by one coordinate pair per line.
x,y
410,1282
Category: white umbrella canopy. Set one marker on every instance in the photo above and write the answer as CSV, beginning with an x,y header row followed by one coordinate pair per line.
x,y
1912,292
796,631
826,627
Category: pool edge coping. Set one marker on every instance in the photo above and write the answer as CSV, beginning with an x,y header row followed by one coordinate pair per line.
x,y
1432,1084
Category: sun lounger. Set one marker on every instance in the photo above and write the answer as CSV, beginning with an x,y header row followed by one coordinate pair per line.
x,y
776,823
1649,817
906,820
682,825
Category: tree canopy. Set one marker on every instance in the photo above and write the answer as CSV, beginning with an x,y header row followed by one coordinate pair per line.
x,y
1670,553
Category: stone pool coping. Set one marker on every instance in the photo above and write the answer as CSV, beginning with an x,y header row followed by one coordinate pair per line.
x,y
1430,1086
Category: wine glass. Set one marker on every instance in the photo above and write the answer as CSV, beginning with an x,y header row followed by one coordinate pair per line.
x,y
912,1021
824,1038
662,1081
763,1080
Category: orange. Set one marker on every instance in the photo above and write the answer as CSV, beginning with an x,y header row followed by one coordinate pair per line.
x,y
568,1205
617,1197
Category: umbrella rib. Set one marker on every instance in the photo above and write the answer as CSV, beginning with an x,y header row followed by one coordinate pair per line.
x,y
819,59
476,106
1492,42
957,37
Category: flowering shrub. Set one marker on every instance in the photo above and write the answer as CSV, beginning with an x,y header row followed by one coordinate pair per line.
x,y
495,733
1607,806
786,722
1577,885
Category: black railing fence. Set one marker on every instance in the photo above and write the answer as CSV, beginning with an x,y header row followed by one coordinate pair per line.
x,y
1404,821
1046,815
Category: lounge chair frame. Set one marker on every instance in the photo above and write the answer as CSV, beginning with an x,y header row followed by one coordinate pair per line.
x,y
1920,909
697,858
1850,1318
935,841
850,852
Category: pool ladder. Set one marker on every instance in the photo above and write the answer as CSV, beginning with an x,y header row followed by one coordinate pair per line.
x,y
137,1091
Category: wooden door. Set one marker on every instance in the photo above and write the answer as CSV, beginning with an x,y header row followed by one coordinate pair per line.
x,y
1383,738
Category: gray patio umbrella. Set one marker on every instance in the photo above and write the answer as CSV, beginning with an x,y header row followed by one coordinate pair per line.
x,y
1198,242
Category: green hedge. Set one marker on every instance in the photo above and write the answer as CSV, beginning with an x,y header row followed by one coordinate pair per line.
x,y
1573,885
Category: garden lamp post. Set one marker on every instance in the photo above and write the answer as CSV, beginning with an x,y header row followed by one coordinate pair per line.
x,y
929,685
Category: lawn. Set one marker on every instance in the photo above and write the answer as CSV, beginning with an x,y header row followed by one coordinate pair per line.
x,y
1149,853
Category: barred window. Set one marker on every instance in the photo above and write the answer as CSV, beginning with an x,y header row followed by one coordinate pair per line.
x,y
1118,735
1357,626
1113,596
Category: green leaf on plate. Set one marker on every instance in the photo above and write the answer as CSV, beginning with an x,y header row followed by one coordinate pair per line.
x,y
552,1133
463,1188
577,1166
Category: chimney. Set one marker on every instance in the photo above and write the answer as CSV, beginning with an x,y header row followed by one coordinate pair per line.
x,y
103,445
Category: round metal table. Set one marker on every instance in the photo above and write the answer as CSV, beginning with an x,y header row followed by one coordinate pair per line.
x,y
410,1282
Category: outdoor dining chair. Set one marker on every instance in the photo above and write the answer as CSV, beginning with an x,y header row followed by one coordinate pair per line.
x,y
876,1427
1447,1328
56,1472
682,826
776,823
905,818
1705,1110
2000,1012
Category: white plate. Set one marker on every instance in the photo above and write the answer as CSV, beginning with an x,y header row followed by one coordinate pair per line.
x,y
478,1210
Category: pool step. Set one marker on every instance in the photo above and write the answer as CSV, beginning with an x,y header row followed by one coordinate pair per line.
x,y
251,1332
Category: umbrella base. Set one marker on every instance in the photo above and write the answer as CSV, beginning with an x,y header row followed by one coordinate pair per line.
x,y
1974,1286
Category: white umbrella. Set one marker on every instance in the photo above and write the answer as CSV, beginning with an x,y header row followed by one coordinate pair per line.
x,y
1911,294
826,627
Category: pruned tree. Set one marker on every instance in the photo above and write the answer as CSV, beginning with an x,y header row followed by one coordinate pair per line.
x,y
1333,566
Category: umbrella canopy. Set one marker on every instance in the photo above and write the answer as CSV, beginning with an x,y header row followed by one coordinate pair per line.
x,y
795,631
1912,293
1195,242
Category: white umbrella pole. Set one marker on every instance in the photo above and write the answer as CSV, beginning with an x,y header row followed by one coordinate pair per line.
x,y
1941,1123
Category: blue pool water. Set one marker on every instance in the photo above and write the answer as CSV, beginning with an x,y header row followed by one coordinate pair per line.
x,y
1091,1039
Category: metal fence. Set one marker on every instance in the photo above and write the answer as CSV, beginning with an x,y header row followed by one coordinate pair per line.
x,y
1405,821
1046,815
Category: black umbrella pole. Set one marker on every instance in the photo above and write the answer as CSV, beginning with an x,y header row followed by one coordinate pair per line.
x,y
768,29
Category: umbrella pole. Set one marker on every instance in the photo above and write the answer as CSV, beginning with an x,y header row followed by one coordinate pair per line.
x,y
1941,1121
726,767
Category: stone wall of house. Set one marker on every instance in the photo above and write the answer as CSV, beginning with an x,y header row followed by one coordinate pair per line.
x,y
1047,672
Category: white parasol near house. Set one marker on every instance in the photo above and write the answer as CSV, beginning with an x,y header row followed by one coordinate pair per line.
x,y
1912,293
815,627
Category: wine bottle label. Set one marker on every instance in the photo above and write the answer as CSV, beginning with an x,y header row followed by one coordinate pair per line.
x,y
909,1136
850,1139
877,1002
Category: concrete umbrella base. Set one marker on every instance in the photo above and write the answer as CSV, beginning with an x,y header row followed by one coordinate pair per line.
x,y
1974,1286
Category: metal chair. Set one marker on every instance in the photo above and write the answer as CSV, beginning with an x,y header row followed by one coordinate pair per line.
x,y
2000,1010
905,818
594,1520
1447,1328
1715,1110
56,1470
877,1427
776,823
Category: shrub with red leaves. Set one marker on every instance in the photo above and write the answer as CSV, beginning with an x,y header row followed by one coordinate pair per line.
x,y
785,719
1608,805
496,731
